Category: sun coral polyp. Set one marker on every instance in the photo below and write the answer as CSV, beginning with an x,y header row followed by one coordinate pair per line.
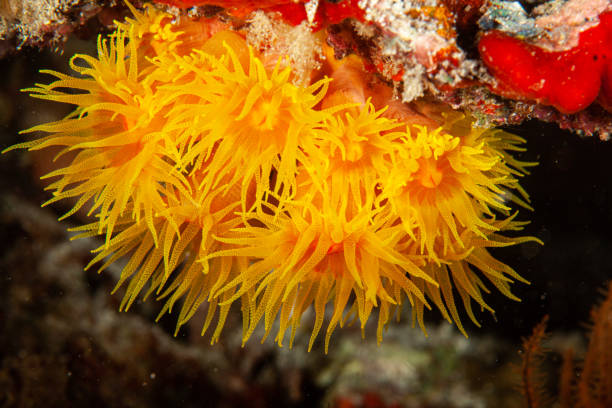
x,y
175,266
451,190
359,146
308,253
458,274
122,153
251,122
569,80
444,184
219,179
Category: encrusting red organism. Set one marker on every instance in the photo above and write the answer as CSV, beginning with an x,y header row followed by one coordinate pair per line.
x,y
294,13
238,8
569,80
326,13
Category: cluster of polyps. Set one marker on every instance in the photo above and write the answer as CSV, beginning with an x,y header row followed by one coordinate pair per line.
x,y
221,180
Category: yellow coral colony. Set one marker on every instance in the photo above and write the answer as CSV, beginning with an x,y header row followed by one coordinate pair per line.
x,y
222,180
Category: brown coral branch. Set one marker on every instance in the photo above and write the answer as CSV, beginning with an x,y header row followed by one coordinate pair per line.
x,y
595,384
531,381
566,381
593,389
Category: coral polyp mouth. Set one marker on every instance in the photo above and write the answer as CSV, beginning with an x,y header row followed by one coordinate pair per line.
x,y
430,175
224,176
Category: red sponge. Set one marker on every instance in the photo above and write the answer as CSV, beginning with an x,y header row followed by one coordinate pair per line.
x,y
569,80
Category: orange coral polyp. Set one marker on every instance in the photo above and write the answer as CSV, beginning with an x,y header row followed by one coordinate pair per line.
x,y
458,272
249,119
445,184
177,266
304,252
430,175
358,144
113,167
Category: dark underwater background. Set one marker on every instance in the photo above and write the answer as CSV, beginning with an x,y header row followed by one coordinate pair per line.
x,y
63,342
